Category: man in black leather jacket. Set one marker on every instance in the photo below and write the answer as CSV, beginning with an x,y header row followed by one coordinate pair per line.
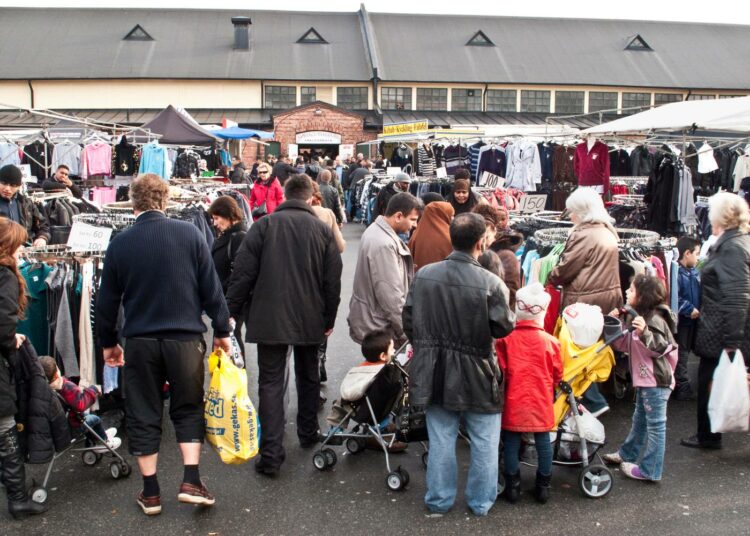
x,y
453,311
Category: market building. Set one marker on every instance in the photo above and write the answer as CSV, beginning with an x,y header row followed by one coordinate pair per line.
x,y
318,80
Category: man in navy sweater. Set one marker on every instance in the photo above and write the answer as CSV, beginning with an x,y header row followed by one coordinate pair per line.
x,y
162,272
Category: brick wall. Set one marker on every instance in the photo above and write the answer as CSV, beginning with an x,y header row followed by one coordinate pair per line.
x,y
329,119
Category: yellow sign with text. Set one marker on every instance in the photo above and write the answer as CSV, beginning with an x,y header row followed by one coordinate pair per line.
x,y
405,128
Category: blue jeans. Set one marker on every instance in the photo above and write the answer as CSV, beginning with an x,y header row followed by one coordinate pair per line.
x,y
95,423
481,486
646,440
512,447
593,400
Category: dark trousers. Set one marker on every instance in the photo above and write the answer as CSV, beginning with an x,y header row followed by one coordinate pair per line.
x,y
272,363
706,369
685,341
149,363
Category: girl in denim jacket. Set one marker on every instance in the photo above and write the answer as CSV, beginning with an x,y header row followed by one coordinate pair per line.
x,y
653,356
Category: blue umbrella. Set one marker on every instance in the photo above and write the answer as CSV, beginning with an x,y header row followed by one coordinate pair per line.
x,y
237,133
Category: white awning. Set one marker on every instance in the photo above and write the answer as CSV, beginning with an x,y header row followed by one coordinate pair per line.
x,y
726,115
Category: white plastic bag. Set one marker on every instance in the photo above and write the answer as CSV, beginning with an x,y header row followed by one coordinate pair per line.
x,y
729,403
585,323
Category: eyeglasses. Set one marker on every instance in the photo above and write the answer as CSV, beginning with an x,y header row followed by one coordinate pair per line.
x,y
262,172
533,309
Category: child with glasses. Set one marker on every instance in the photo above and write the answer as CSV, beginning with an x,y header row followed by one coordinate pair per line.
x,y
530,360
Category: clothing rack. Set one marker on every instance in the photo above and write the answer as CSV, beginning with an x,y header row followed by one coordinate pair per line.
x,y
626,237
117,221
628,200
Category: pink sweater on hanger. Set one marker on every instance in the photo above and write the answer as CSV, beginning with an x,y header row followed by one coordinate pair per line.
x,y
96,159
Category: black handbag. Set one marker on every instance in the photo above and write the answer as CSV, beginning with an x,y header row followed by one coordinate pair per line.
x,y
260,211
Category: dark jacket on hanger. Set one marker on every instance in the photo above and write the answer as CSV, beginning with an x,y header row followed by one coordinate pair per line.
x,y
659,195
562,165
287,276
401,157
619,163
642,162
125,164
224,252
44,424
38,156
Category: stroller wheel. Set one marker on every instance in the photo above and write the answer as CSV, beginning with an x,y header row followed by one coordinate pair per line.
x,y
115,470
425,458
354,446
330,457
595,481
500,484
125,469
89,457
320,461
38,495
395,480
404,475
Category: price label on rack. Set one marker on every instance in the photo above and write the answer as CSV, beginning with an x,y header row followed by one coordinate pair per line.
x,y
531,204
490,180
441,173
85,237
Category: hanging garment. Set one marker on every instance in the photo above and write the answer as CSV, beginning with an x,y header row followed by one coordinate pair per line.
x,y
455,157
186,165
125,158
523,166
474,159
64,336
34,324
592,165
493,161
96,159
546,156
38,156
69,154
9,154
619,163
85,330
425,160
401,157
706,161
154,159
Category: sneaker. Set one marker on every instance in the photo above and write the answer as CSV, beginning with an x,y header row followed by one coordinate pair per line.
x,y
110,432
613,458
151,506
192,494
113,444
631,470
600,411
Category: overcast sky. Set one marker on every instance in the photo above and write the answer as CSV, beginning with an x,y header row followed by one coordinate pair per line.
x,y
714,11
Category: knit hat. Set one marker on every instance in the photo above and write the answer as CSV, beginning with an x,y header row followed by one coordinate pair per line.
x,y
402,177
531,302
461,185
10,174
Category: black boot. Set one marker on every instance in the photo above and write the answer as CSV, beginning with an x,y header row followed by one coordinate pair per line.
x,y
14,478
541,489
512,487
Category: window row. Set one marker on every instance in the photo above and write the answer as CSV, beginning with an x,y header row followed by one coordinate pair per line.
x,y
470,100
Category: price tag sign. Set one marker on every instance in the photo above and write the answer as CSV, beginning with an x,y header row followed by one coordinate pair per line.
x,y
490,180
85,237
441,173
392,170
531,204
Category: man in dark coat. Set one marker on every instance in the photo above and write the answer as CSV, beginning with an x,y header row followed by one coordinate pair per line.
x,y
282,169
453,310
331,198
60,181
19,208
399,184
288,271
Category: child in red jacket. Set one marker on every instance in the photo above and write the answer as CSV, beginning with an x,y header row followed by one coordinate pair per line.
x,y
530,360
80,400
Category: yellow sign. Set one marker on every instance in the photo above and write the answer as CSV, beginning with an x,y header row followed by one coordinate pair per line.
x,y
405,128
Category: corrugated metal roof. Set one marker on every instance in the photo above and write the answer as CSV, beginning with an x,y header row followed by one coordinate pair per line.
x,y
138,117
87,43
561,51
449,119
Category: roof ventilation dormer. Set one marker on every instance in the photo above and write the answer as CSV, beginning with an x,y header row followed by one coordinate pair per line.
x,y
480,39
137,34
241,32
638,43
312,37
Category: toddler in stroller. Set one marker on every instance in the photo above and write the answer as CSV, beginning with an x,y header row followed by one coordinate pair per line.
x,y
78,401
98,440
373,395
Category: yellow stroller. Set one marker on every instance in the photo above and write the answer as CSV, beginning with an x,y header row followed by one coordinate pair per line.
x,y
579,436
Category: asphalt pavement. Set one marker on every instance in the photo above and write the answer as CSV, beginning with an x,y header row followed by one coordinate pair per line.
x,y
702,493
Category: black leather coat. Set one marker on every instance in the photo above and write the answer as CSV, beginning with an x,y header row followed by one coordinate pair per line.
x,y
453,310
8,322
725,297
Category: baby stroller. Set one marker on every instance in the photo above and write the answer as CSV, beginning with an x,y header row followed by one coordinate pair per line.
x,y
387,397
580,435
90,455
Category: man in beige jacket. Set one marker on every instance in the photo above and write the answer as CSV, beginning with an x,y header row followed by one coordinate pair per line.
x,y
384,272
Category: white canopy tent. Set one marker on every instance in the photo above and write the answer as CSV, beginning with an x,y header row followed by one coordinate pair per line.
x,y
718,115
